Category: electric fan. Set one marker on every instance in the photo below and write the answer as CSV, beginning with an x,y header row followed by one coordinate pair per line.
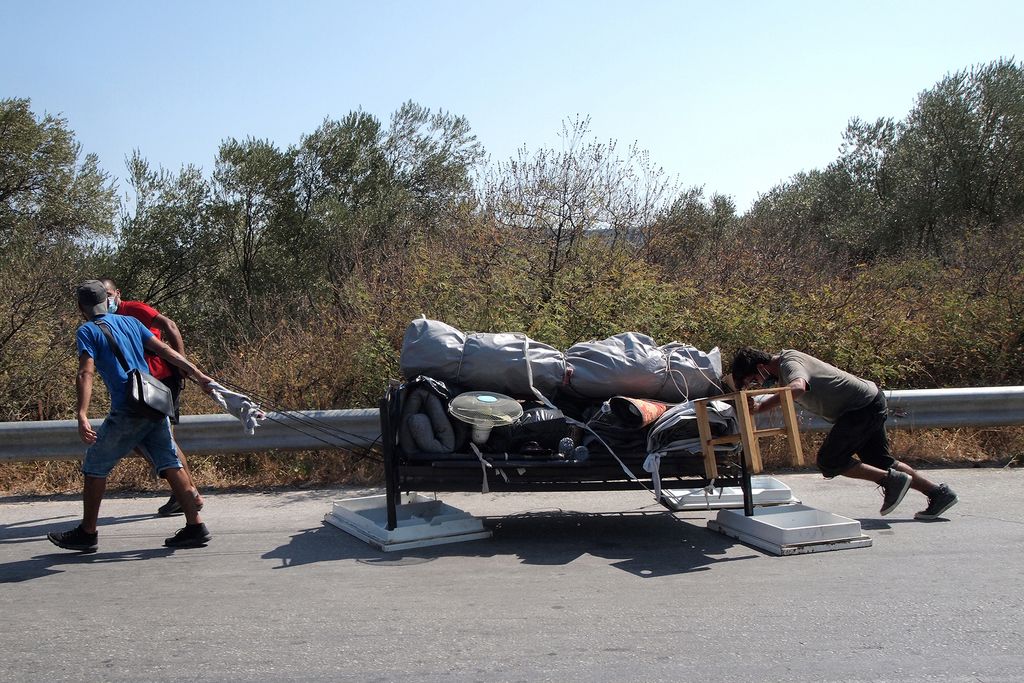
x,y
484,410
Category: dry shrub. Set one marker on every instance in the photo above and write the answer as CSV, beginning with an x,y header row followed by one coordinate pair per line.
x,y
65,477
302,469
959,447
257,471
967,446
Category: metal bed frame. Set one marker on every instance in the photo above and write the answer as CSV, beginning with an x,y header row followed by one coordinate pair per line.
x,y
524,474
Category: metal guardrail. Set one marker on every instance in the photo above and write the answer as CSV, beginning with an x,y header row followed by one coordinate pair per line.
x,y
943,408
339,429
205,434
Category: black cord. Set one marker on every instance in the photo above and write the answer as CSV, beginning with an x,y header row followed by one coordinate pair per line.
x,y
306,420
298,422
365,454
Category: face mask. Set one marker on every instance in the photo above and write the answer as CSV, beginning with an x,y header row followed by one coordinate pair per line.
x,y
767,381
111,304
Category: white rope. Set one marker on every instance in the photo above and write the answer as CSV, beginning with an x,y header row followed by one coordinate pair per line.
x,y
652,465
685,391
483,467
544,399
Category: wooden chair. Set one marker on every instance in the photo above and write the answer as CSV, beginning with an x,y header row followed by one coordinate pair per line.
x,y
749,434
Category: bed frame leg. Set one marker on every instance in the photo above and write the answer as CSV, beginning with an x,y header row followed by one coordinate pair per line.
x,y
390,466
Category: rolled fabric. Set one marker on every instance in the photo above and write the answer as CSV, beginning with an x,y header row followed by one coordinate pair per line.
x,y
424,425
637,412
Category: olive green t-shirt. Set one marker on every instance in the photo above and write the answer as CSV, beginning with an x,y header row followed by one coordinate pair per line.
x,y
830,391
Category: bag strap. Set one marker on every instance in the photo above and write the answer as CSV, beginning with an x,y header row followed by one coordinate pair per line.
x,y
114,346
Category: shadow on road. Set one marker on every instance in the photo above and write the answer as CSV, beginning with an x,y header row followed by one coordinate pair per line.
x,y
880,524
646,544
43,565
32,530
35,530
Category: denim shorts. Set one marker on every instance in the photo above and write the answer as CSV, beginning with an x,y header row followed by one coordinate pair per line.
x,y
122,432
858,432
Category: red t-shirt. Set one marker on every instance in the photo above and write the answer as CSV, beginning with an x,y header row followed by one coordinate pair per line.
x,y
145,314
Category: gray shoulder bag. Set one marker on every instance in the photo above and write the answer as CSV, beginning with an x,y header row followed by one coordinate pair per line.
x,y
147,396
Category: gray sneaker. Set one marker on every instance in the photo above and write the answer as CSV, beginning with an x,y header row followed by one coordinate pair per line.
x,y
938,502
894,486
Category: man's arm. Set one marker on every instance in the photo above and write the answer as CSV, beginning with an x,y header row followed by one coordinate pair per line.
x,y
154,345
798,387
169,332
83,388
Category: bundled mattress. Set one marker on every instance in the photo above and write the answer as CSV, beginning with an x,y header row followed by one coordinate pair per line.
x,y
505,363
627,364
634,365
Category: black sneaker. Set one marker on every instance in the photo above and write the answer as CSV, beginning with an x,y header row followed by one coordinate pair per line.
x,y
894,487
170,508
189,536
173,507
76,539
938,502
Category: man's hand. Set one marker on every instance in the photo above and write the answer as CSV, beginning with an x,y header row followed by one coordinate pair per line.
x,y
154,345
85,431
203,380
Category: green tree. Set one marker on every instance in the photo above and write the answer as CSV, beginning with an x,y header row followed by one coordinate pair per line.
x,y
689,233
346,197
53,205
432,156
953,166
366,193
253,204
960,157
166,247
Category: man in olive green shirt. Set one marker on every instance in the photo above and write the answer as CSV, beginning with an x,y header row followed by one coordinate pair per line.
x,y
857,410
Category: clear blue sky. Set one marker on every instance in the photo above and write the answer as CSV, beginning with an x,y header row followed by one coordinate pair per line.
x,y
734,96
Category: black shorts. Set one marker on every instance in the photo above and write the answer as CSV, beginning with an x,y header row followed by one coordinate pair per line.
x,y
174,384
858,432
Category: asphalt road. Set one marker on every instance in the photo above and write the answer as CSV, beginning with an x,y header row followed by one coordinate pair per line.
x,y
586,586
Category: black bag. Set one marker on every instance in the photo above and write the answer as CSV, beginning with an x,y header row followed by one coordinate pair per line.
x,y
541,425
147,396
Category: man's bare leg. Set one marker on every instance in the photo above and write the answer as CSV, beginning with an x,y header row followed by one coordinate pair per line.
x,y
865,472
180,486
188,476
917,481
874,474
92,496
167,508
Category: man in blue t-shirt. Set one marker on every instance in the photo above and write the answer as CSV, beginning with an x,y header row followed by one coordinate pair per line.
x,y
123,430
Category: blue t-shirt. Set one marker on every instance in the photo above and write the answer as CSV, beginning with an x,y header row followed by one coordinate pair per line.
x,y
130,335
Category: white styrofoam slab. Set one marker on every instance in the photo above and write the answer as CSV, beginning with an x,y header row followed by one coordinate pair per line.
x,y
795,549
421,522
765,490
791,529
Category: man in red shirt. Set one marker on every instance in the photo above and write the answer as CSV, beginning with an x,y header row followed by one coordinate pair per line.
x,y
165,330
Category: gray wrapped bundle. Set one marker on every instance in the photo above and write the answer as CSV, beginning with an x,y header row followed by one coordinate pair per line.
x,y
479,361
633,365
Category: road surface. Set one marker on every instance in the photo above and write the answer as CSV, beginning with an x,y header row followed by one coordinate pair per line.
x,y
572,587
